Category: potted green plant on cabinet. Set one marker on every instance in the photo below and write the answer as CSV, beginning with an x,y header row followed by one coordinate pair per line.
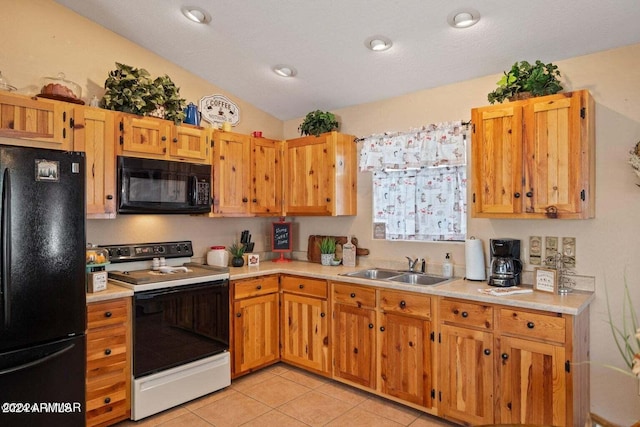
x,y
237,250
327,250
317,122
132,90
525,80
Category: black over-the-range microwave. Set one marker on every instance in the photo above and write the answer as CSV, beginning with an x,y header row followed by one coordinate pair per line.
x,y
147,186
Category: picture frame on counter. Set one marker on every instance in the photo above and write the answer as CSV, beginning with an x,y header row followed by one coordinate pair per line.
x,y
545,280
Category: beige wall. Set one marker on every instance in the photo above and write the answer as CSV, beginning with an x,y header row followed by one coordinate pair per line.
x,y
607,246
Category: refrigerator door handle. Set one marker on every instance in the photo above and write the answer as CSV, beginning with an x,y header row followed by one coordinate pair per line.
x,y
5,249
38,361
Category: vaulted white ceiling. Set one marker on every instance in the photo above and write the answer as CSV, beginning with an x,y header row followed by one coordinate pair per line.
x,y
324,41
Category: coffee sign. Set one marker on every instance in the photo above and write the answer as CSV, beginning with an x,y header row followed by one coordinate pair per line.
x,y
218,109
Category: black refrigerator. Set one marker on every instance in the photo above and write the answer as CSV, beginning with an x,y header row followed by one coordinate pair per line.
x,y
42,287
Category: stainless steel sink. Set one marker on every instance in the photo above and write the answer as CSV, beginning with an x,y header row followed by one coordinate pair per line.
x,y
418,279
397,276
373,273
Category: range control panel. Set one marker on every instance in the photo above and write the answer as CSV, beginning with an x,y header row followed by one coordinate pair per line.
x,y
146,251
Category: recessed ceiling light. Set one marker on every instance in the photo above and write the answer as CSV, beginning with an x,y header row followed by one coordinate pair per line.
x,y
284,70
196,14
463,18
378,43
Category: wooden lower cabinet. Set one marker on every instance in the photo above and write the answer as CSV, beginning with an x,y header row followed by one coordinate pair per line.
x,y
305,323
108,381
354,344
466,375
512,366
405,347
255,324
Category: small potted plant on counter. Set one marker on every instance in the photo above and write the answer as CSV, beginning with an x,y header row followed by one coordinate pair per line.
x,y
525,80
317,122
237,250
327,250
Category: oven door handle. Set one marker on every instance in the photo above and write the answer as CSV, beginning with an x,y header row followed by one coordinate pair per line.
x,y
177,289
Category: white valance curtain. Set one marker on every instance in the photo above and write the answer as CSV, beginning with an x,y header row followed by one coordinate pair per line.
x,y
419,183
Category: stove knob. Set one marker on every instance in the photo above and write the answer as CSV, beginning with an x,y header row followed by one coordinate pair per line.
x,y
178,248
186,248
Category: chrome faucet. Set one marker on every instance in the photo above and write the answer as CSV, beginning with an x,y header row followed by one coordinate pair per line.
x,y
413,262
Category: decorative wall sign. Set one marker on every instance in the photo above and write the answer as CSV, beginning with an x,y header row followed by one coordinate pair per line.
x,y
546,280
217,109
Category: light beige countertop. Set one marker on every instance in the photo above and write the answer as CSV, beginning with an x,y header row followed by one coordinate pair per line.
x,y
113,291
572,303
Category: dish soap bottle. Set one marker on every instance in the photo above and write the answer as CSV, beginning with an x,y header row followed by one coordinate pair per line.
x,y
349,253
447,266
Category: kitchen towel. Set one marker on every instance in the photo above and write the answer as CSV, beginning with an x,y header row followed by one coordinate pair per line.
x,y
474,256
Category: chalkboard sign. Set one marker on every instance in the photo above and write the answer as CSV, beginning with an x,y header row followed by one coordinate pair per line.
x,y
281,237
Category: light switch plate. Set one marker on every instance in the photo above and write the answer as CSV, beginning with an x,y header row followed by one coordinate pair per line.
x,y
569,251
535,250
550,250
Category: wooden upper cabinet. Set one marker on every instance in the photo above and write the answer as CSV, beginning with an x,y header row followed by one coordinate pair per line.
x,y
143,136
247,175
266,177
45,122
535,158
190,143
153,138
231,154
320,175
94,133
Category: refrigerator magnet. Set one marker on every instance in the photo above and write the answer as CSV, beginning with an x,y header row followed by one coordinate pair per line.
x,y
47,170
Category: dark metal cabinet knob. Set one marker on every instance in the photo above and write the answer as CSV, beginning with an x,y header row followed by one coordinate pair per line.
x,y
245,200
403,304
381,328
487,352
353,295
301,286
109,197
107,314
517,195
465,314
504,356
107,351
529,193
530,325
322,314
107,400
238,314
370,325
259,287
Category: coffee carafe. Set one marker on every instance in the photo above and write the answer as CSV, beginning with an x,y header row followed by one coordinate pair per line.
x,y
506,266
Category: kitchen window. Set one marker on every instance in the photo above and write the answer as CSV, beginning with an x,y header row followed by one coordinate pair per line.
x,y
419,183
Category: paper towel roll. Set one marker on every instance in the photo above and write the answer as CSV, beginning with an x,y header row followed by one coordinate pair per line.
x,y
474,256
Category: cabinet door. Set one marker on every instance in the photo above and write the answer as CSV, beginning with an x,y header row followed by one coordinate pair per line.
x,y
309,176
36,119
255,329
553,155
467,379
532,383
190,143
355,344
405,358
231,173
266,177
305,331
94,134
145,137
497,160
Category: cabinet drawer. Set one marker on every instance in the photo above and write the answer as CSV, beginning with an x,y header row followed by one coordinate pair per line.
x,y
533,325
304,286
105,390
406,303
466,313
107,313
255,287
354,295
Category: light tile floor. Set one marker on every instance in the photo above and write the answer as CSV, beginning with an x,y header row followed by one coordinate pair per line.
x,y
284,396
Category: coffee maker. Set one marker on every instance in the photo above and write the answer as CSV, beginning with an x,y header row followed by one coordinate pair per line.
x,y
506,266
